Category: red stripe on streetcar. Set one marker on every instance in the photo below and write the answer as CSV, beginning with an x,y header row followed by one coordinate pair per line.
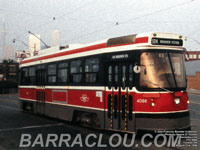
x,y
141,40
84,49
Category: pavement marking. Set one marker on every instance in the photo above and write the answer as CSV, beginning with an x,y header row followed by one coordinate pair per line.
x,y
193,93
10,107
7,100
194,102
31,127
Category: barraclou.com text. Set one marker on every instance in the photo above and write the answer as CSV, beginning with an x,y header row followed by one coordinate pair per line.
x,y
93,140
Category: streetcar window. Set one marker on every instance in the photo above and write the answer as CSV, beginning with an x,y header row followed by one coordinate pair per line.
x,y
76,66
24,76
76,78
52,79
91,69
62,65
32,75
76,71
109,75
40,67
179,72
162,70
123,77
25,71
52,73
90,77
32,71
52,69
116,74
130,76
62,72
92,65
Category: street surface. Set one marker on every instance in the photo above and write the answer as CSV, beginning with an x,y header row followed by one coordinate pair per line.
x,y
14,123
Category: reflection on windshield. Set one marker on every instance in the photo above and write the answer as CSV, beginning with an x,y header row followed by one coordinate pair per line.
x,y
163,70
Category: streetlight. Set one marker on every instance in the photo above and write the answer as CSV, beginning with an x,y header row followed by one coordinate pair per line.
x,y
39,39
14,40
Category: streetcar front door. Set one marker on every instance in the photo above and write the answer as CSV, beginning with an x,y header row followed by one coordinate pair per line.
x,y
40,91
119,98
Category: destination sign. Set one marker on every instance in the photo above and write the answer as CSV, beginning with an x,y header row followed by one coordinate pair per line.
x,y
168,42
122,56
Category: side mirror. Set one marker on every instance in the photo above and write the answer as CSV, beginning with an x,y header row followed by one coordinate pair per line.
x,y
137,69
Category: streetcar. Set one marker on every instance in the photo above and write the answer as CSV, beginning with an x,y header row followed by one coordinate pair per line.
x,y
126,84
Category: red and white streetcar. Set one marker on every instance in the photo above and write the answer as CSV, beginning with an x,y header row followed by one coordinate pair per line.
x,y
124,83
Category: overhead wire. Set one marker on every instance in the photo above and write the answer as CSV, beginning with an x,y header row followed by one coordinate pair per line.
x,y
117,23
76,9
156,11
39,26
194,32
53,18
135,18
25,13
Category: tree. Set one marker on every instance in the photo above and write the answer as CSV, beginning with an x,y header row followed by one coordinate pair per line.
x,y
8,61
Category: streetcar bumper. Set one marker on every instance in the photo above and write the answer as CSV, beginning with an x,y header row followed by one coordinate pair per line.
x,y
168,121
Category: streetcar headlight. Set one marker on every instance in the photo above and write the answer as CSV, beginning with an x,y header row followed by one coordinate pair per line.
x,y
177,100
152,104
188,101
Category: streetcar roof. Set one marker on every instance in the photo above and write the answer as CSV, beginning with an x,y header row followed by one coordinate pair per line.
x,y
149,39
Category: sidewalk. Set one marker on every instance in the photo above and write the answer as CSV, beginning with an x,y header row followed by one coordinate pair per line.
x,y
193,91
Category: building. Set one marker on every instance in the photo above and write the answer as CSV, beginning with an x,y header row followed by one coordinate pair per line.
x,y
34,44
192,55
193,71
193,81
8,53
21,54
55,37
9,72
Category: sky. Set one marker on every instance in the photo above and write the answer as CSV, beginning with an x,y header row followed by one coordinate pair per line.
x,y
85,21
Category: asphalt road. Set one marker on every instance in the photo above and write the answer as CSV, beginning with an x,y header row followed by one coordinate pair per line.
x,y
15,124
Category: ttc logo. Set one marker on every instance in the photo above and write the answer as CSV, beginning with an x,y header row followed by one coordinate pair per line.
x,y
84,98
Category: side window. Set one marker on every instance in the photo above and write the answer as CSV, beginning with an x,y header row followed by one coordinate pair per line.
x,y
91,70
62,72
24,76
52,73
41,75
76,71
124,75
110,73
31,75
116,74
130,76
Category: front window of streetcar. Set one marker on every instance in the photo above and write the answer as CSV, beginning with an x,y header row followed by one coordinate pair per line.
x,y
162,70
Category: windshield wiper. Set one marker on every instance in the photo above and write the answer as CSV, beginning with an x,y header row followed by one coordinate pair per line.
x,y
170,61
158,86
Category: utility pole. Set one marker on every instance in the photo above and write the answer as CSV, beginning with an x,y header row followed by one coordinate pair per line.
x,y
3,32
47,46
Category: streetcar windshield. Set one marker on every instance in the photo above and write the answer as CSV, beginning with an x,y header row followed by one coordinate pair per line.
x,y
162,70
